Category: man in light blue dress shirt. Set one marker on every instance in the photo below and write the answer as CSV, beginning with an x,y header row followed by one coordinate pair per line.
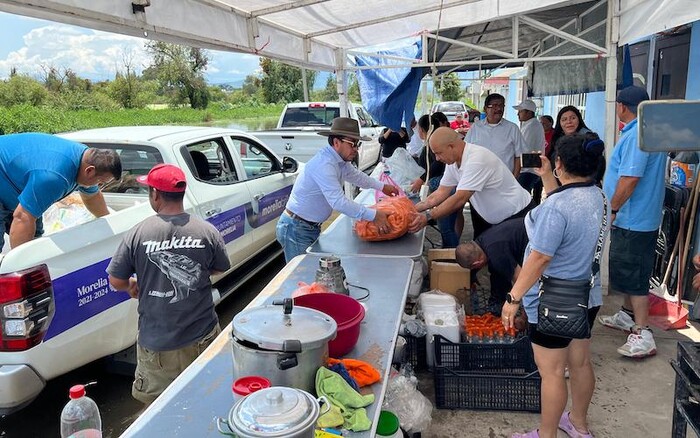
x,y
318,190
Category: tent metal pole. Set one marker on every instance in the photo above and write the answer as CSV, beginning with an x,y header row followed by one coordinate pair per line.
x,y
613,33
304,84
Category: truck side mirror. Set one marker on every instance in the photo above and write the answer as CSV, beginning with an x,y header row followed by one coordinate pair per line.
x,y
669,125
289,165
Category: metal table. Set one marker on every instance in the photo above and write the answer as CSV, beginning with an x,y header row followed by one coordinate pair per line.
x,y
189,407
340,239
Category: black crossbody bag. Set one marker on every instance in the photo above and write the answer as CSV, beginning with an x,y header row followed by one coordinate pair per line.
x,y
563,307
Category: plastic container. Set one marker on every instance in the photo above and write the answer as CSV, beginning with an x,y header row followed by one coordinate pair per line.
x,y
388,425
347,312
683,169
486,376
80,417
247,385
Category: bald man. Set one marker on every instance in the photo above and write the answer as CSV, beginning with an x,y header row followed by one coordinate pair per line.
x,y
479,177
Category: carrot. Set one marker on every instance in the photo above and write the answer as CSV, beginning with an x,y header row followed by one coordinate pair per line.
x,y
398,209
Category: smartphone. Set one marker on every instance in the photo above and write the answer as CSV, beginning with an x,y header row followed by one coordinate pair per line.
x,y
530,160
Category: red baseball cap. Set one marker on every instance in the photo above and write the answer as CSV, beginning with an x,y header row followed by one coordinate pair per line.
x,y
166,178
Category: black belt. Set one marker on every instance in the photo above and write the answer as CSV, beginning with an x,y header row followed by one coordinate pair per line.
x,y
297,217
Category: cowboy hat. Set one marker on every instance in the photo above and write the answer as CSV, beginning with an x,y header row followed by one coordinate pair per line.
x,y
345,127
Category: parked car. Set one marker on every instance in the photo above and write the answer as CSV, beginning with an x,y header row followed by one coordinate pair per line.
x,y
298,125
62,313
451,108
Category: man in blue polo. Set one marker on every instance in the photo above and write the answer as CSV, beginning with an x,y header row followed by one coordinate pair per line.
x,y
318,190
634,184
37,170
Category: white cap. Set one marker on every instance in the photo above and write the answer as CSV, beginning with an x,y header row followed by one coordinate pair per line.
x,y
526,104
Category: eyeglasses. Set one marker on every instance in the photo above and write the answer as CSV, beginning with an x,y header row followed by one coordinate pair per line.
x,y
496,105
354,144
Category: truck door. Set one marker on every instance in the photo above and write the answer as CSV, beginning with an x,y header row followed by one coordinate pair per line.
x,y
370,150
269,186
221,194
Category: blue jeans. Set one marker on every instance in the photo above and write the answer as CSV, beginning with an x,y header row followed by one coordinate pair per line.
x,y
6,223
446,224
295,236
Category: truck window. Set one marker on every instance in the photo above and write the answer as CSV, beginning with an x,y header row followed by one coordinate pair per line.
x,y
313,115
257,161
136,161
209,161
362,117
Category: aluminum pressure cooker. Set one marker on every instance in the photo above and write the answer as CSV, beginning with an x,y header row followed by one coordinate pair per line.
x,y
283,343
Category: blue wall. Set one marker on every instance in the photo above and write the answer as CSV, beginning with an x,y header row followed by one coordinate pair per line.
x,y
692,89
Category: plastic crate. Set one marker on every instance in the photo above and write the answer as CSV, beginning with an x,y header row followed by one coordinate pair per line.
x,y
415,353
486,376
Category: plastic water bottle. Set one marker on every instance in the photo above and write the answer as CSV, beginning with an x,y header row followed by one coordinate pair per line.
x,y
683,169
80,417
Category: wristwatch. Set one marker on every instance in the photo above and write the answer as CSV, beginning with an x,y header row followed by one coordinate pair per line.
x,y
614,211
428,214
511,300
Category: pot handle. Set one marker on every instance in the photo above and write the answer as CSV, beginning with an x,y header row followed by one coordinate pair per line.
x,y
287,304
220,422
324,403
286,361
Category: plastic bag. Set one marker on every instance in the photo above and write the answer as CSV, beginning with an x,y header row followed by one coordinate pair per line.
x,y
404,169
313,288
68,212
403,399
399,210
388,180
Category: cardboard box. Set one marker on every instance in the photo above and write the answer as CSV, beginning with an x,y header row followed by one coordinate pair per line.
x,y
446,275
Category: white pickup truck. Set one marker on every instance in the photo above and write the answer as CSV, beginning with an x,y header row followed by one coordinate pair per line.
x,y
57,309
296,132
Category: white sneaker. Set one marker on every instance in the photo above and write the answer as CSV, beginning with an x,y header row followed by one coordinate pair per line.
x,y
621,321
639,345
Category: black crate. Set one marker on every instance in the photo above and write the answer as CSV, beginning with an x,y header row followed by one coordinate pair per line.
x,y
486,376
415,353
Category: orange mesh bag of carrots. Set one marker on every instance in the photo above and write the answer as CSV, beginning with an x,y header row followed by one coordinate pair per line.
x,y
398,209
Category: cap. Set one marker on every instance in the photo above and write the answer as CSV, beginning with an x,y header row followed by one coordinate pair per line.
x,y
526,104
632,96
166,178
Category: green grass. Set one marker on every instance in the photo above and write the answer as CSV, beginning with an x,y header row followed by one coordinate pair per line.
x,y
25,118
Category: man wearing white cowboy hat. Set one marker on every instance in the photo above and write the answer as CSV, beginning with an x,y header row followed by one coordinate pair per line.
x,y
318,190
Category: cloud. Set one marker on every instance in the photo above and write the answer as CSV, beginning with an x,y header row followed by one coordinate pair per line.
x,y
91,54
99,55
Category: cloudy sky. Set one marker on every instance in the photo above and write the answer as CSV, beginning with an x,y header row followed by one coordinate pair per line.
x,y
28,44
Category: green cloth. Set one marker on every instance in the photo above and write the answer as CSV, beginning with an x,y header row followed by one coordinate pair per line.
x,y
346,400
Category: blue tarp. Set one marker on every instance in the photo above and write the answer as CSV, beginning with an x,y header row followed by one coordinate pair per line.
x,y
390,94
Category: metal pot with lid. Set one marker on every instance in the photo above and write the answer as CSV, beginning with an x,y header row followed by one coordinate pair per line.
x,y
283,343
274,412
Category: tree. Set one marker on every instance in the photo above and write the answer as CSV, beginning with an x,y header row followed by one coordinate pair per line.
x,y
450,87
330,93
21,89
126,86
180,70
281,82
354,89
251,85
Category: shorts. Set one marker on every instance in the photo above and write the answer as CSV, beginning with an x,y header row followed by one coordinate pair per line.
x,y
155,370
555,342
631,263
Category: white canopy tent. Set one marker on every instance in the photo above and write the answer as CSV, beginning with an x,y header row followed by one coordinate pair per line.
x,y
320,34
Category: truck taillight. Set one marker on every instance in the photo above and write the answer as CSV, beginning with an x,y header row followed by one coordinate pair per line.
x,y
26,308
317,105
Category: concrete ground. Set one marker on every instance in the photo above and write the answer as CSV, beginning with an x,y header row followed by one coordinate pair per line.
x,y
632,397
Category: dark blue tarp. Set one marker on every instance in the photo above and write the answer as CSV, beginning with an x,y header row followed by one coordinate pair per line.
x,y
390,94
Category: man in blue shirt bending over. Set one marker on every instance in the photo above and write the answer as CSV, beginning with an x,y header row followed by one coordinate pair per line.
x,y
37,170
318,190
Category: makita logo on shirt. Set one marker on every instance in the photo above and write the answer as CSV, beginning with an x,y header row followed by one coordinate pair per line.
x,y
173,243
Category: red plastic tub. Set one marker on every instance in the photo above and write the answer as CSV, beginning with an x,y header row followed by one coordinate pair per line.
x,y
347,312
